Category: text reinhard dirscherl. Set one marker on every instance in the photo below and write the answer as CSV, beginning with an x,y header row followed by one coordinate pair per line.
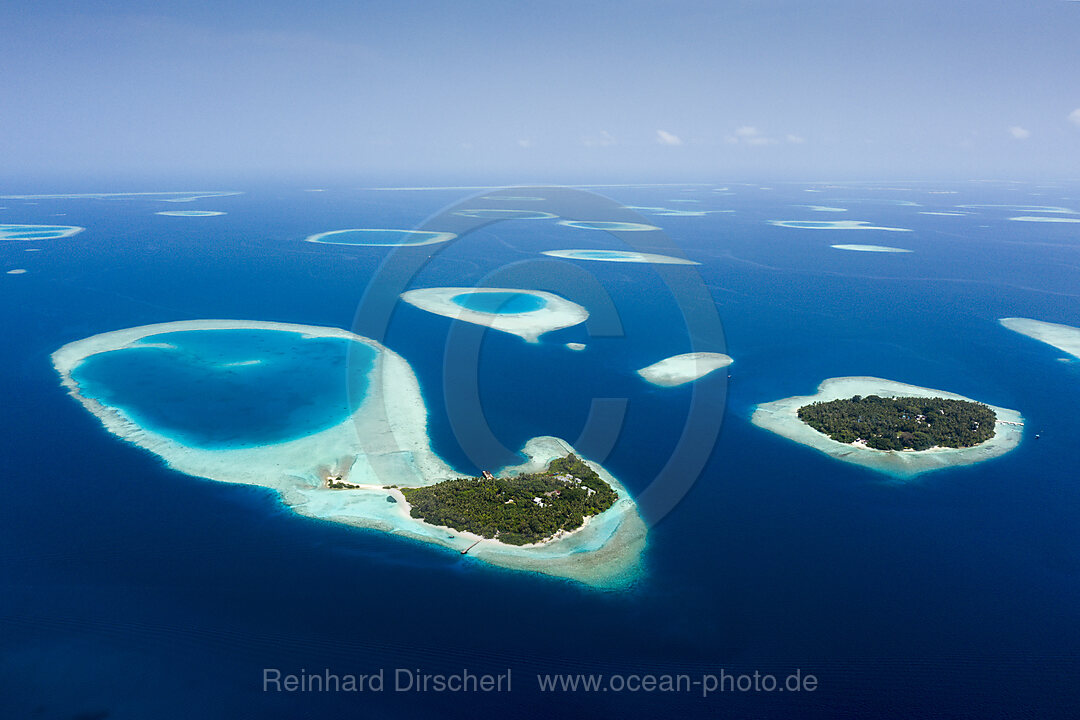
x,y
418,681
401,680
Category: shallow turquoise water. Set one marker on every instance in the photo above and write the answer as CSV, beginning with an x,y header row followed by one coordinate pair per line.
x,y
605,254
43,234
501,303
33,232
229,388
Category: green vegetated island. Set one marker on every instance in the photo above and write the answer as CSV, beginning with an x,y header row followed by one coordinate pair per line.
x,y
892,427
519,510
902,423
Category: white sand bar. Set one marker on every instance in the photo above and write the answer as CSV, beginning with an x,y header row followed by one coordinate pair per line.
x,y
172,196
871,248
1044,219
1064,337
681,369
384,442
1024,208
781,417
557,312
668,212
190,213
626,256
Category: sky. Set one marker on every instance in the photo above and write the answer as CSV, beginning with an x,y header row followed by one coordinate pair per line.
x,y
545,91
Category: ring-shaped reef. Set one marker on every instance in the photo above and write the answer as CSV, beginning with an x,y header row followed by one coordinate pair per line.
x,y
525,313
1044,219
608,226
379,237
833,225
623,256
505,214
38,232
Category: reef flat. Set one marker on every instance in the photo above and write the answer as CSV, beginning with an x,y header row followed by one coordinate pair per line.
x,y
681,369
833,225
525,313
379,237
626,256
352,472
1064,337
871,248
30,233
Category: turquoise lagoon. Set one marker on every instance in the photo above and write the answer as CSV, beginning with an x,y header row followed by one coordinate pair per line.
x,y
379,237
225,389
500,303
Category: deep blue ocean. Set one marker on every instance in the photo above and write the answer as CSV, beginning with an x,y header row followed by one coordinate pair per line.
x,y
133,591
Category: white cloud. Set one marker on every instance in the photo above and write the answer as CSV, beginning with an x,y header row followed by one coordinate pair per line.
x,y
1019,133
750,135
524,143
604,139
1074,117
665,138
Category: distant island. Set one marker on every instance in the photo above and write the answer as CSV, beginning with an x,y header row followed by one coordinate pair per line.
x,y
519,510
902,423
892,427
